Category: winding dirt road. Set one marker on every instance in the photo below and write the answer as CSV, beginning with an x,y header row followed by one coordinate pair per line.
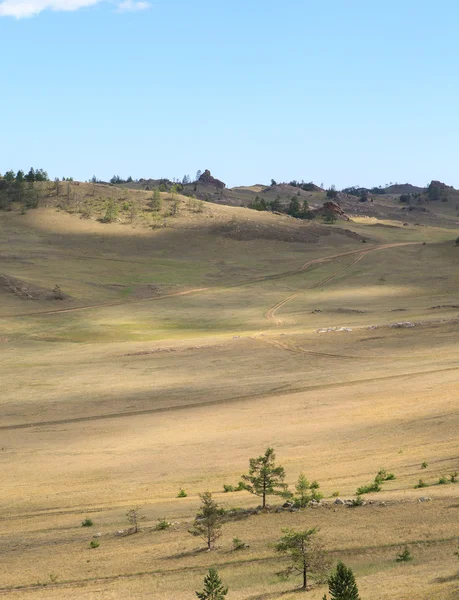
x,y
270,314
274,276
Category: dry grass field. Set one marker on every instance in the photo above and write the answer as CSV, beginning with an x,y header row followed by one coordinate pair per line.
x,y
181,351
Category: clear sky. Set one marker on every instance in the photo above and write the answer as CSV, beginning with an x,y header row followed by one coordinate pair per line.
x,y
342,92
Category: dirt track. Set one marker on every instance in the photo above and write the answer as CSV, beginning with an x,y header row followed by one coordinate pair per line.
x,y
283,390
270,314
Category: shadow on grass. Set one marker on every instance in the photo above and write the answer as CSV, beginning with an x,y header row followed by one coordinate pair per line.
x,y
269,595
186,553
448,579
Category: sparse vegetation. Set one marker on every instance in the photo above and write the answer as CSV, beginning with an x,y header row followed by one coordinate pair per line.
x,y
127,348
182,494
421,484
134,518
306,492
111,211
238,544
383,475
163,524
368,489
94,544
357,501
87,522
404,555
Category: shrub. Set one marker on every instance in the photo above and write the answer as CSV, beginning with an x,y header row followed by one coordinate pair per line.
x,y
442,480
329,218
457,241
424,465
421,484
453,477
383,475
405,555
238,544
228,488
335,494
111,212
367,489
357,501
87,523
182,494
162,524
94,544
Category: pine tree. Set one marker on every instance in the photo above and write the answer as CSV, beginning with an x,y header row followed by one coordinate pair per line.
x,y
156,202
134,519
342,585
208,521
213,587
30,177
294,207
307,555
276,205
264,478
305,491
19,185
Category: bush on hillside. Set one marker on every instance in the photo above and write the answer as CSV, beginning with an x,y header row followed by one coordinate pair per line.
x,y
367,489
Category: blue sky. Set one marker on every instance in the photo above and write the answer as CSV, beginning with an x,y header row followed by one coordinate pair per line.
x,y
333,91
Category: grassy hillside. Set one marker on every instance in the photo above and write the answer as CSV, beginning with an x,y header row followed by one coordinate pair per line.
x,y
189,339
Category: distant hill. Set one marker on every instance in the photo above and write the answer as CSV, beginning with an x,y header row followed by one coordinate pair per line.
x,y
404,188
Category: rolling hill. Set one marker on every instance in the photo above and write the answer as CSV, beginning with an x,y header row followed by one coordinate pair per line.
x,y
185,338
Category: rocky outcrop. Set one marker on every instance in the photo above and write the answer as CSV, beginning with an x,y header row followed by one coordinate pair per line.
x,y
333,208
207,179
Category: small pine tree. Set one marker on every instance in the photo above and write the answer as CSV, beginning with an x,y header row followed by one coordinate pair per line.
x,y
175,208
405,555
156,202
302,487
264,477
342,585
213,587
305,491
294,207
134,518
307,555
58,293
208,521
111,211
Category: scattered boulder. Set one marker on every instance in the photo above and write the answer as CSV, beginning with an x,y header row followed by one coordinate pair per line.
x,y
424,499
328,329
339,501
